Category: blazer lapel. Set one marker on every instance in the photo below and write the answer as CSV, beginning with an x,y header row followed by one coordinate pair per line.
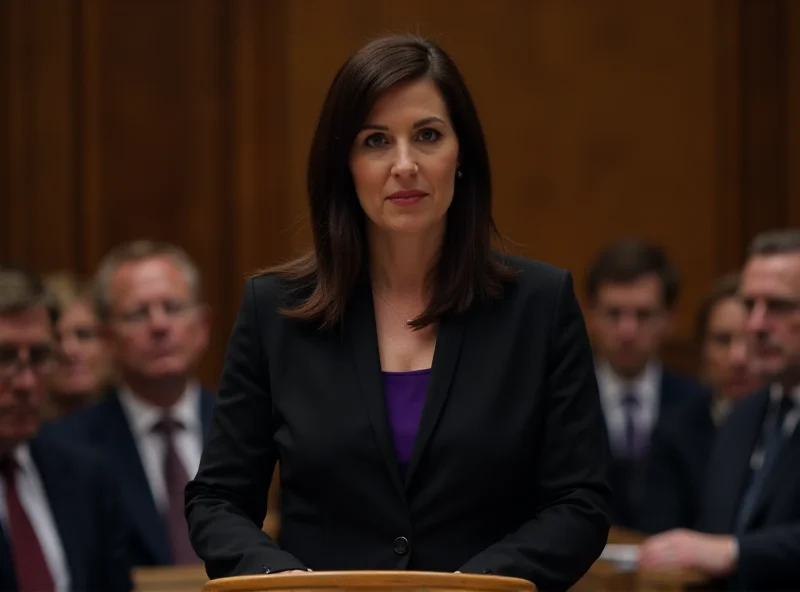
x,y
739,467
445,357
206,410
783,466
664,394
136,490
63,498
359,325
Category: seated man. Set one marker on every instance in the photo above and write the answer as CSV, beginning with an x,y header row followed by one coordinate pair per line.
x,y
632,289
682,440
63,527
151,428
749,530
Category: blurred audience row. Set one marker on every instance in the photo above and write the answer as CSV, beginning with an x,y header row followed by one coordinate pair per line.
x,y
97,487
709,468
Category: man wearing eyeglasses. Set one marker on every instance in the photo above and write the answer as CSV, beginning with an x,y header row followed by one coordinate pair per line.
x,y
62,524
749,532
151,428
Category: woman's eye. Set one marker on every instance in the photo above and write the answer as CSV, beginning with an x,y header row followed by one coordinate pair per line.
x,y
375,140
429,135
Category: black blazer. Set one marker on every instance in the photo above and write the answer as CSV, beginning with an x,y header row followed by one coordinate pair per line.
x,y
675,471
627,478
769,550
508,471
84,499
104,427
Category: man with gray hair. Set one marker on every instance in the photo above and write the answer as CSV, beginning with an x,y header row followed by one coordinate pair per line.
x,y
150,303
62,527
749,532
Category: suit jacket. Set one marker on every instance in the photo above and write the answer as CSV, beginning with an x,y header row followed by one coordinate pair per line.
x,y
627,477
769,550
508,470
104,427
675,472
85,502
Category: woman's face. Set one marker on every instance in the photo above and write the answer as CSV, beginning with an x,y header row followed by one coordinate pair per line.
x,y
726,363
84,361
404,160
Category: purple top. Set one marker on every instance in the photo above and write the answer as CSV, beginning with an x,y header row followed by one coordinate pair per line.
x,y
405,396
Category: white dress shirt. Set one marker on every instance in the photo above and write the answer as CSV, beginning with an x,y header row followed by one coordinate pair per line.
x,y
143,416
647,388
33,498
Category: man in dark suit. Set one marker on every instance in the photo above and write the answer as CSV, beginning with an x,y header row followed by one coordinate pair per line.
x,y
153,426
749,532
60,514
632,289
682,440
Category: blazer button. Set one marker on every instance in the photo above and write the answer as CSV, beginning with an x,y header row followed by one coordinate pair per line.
x,y
401,545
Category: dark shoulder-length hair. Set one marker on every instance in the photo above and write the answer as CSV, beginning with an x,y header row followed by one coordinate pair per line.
x,y
467,271
725,288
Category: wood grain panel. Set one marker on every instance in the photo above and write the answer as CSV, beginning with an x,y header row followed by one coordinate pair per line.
x,y
624,136
190,121
728,195
10,76
40,226
764,85
793,127
260,185
159,90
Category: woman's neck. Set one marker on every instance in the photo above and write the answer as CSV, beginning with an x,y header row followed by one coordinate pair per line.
x,y
400,264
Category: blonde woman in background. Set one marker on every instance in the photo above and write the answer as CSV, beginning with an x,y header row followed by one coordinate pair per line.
x,y
84,370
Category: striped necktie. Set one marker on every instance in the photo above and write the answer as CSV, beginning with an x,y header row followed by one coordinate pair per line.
x,y
771,442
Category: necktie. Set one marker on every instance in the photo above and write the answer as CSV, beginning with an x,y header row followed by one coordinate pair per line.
x,y
33,574
771,442
175,478
630,408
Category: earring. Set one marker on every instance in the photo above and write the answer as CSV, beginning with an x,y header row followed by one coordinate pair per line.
x,y
459,174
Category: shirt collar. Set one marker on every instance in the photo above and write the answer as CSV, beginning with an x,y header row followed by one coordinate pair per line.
x,y
21,455
143,415
776,392
615,387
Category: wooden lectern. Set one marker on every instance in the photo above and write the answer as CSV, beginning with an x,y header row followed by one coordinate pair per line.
x,y
369,581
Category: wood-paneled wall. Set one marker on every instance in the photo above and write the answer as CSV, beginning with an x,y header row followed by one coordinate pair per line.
x,y
189,121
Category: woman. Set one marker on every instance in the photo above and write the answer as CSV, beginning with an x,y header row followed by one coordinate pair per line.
x,y
433,405
724,365
84,368
682,439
